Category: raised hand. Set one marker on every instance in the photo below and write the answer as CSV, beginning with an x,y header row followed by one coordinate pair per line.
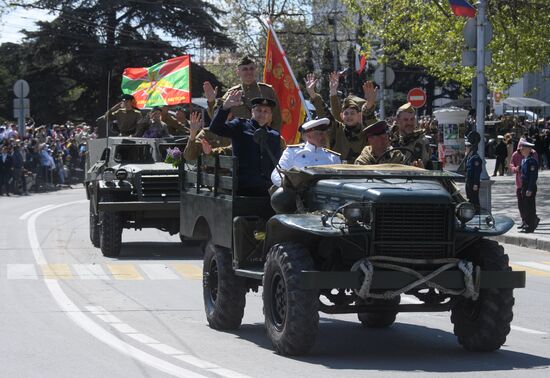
x,y
209,91
333,82
234,98
196,123
206,147
311,82
369,91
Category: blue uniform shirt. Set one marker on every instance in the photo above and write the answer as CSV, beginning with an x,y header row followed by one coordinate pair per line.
x,y
255,166
529,173
474,165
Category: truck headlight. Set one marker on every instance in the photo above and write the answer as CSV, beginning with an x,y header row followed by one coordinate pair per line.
x,y
121,174
465,212
357,212
108,175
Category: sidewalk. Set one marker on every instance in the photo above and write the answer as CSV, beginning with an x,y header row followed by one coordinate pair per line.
x,y
504,202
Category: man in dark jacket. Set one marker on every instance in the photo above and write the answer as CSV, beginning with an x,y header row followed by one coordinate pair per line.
x,y
18,171
6,169
501,152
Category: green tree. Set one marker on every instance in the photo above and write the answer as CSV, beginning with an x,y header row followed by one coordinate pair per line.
x,y
426,33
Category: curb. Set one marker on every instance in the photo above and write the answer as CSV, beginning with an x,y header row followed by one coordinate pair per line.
x,y
533,243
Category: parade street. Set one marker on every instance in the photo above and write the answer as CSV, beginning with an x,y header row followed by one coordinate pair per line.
x,y
70,312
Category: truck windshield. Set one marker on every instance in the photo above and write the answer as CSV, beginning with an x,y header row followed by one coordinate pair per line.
x,y
142,153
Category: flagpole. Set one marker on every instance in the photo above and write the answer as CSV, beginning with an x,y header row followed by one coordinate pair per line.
x,y
267,24
108,109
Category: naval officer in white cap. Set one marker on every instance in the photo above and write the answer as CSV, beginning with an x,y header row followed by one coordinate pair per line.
x,y
312,152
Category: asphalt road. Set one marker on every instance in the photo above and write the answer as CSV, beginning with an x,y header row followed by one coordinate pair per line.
x,y
66,311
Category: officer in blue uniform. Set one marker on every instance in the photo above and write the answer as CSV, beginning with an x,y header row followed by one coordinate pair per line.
x,y
529,176
474,166
312,152
257,154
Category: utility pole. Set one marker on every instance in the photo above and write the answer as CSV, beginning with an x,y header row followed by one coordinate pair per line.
x,y
335,54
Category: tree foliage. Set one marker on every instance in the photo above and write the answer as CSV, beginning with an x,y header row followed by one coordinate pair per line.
x,y
426,33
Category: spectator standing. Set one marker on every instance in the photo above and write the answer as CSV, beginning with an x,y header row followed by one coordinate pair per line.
x,y
509,151
19,181
501,152
6,169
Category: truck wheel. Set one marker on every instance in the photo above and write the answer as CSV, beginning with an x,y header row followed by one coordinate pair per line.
x,y
224,293
291,313
94,227
483,325
379,319
110,239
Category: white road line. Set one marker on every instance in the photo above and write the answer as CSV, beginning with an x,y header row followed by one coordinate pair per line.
x,y
109,318
87,324
159,272
90,272
528,330
144,339
123,328
166,349
192,360
30,212
21,272
534,265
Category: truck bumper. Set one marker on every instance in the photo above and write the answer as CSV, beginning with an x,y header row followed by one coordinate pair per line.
x,y
140,206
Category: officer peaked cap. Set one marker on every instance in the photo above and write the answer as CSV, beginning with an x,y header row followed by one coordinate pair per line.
x,y
527,142
126,97
262,101
245,60
317,124
377,128
407,108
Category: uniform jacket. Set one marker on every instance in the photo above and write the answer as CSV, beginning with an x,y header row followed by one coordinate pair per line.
x,y
250,92
529,173
368,158
255,165
174,127
474,166
303,155
127,120
417,143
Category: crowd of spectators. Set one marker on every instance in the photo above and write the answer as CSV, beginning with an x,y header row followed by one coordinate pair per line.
x,y
46,157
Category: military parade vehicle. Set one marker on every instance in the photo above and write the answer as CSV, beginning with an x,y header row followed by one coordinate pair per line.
x,y
129,185
348,239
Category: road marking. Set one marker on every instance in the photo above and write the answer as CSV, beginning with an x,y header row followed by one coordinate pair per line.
x,y
124,272
30,212
21,272
532,268
534,265
158,272
188,271
87,324
90,272
56,271
123,328
528,330
144,339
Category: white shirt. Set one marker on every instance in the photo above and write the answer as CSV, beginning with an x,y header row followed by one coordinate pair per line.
x,y
303,155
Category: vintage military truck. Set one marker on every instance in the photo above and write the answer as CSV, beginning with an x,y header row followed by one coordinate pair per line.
x,y
348,239
129,186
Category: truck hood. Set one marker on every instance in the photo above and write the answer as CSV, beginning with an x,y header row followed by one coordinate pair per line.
x,y
387,191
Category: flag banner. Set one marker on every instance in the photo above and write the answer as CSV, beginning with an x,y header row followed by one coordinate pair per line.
x,y
462,8
165,83
360,60
277,73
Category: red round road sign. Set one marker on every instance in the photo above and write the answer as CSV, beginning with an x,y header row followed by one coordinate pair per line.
x,y
417,97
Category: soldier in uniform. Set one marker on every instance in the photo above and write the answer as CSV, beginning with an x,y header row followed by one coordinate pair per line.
x,y
529,176
312,152
379,145
153,127
348,137
474,166
126,115
174,126
202,140
250,89
257,155
406,136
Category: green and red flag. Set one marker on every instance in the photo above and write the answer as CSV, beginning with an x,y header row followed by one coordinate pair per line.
x,y
165,83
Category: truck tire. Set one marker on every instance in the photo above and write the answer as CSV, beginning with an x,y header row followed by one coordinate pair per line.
x,y
110,238
94,227
379,319
224,293
483,325
291,313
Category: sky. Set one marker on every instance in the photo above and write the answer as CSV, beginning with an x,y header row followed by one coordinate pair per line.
x,y
11,23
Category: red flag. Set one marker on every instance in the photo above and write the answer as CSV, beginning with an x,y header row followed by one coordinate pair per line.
x,y
462,8
277,73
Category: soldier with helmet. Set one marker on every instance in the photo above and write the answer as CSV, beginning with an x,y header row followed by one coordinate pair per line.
x,y
405,135
250,89
126,115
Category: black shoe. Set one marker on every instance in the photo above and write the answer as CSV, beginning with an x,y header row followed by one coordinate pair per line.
x,y
522,225
527,231
537,221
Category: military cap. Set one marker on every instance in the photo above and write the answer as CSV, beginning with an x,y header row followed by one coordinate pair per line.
x,y
262,101
245,60
377,128
407,108
527,142
127,97
350,103
317,124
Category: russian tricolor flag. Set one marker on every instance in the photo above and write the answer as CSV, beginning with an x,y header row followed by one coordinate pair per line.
x,y
462,8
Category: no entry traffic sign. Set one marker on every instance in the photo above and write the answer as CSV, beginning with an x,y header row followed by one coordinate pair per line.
x,y
417,97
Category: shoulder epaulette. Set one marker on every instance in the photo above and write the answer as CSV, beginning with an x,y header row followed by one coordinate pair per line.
x,y
332,152
265,84
238,86
295,145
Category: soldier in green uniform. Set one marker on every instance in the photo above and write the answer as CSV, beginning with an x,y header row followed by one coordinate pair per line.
x,y
126,115
202,140
174,126
405,135
347,137
379,150
250,88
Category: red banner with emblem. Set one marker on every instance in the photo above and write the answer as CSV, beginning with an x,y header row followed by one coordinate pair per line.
x,y
277,73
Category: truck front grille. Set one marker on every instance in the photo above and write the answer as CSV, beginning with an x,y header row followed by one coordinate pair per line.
x,y
423,231
159,187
